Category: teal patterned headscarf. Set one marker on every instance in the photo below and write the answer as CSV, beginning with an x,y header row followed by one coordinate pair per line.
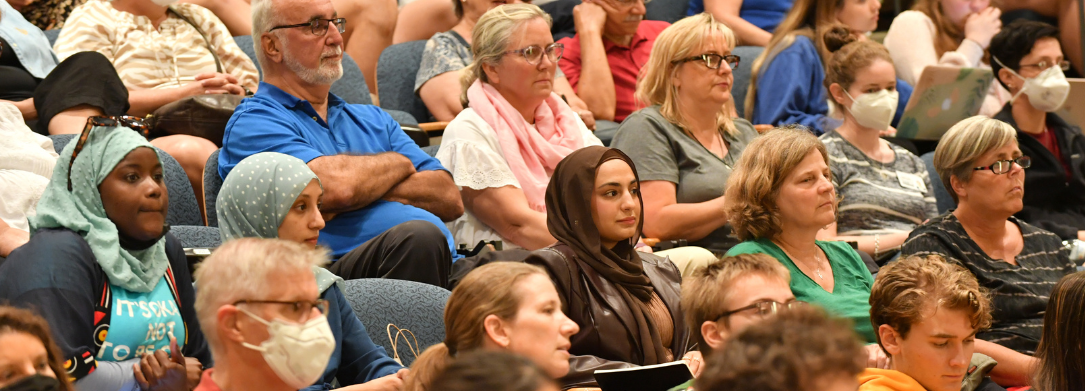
x,y
258,194
81,209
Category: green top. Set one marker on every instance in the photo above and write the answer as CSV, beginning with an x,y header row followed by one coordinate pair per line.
x,y
851,295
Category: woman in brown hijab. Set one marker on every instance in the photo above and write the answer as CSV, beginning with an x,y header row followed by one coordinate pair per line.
x,y
625,302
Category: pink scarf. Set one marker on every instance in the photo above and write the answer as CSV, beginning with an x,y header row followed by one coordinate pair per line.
x,y
532,154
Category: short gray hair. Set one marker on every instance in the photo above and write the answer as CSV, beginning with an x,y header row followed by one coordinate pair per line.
x,y
965,142
240,270
263,18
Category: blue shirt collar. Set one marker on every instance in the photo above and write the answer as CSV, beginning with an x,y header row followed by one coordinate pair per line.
x,y
287,100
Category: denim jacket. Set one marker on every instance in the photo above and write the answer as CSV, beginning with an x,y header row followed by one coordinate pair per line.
x,y
27,41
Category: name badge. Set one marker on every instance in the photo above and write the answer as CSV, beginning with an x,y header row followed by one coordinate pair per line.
x,y
911,182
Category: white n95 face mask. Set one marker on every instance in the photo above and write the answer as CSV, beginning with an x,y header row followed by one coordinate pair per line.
x,y
1047,91
874,110
164,3
298,353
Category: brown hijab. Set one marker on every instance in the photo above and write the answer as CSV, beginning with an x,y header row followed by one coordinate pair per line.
x,y
569,219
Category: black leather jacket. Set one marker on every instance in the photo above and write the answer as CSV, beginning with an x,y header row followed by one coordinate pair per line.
x,y
594,303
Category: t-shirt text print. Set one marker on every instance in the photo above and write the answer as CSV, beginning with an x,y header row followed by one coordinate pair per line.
x,y
142,323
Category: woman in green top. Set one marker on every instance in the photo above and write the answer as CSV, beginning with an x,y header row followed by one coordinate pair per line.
x,y
778,198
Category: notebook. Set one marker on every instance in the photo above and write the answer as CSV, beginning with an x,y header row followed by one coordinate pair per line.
x,y
659,377
944,96
1073,111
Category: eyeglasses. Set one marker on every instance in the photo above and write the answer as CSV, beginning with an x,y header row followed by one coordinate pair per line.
x,y
298,310
134,123
1004,166
1043,65
765,308
533,54
713,60
318,26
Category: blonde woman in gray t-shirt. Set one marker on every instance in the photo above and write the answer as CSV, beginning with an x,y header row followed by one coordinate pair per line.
x,y
686,141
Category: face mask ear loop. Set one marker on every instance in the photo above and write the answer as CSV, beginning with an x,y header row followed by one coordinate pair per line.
x,y
1022,90
258,319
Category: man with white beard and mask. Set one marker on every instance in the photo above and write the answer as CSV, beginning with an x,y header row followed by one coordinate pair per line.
x,y
163,52
385,200
260,309
1028,61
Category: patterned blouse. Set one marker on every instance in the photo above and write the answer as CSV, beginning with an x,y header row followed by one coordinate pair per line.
x,y
1019,294
49,14
875,197
147,58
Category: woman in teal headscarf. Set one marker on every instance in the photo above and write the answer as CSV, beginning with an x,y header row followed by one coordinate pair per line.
x,y
273,195
101,268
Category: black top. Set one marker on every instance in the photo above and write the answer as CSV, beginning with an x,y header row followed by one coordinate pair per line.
x,y
57,275
1019,294
1053,200
16,83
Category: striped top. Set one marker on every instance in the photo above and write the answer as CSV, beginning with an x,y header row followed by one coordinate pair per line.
x,y
875,197
1019,294
146,58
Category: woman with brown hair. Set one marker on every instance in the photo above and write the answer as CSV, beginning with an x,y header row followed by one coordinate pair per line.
x,y
884,189
946,32
786,83
1062,347
780,195
625,302
28,357
500,306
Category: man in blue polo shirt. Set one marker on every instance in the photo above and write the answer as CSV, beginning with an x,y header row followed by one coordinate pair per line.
x,y
385,200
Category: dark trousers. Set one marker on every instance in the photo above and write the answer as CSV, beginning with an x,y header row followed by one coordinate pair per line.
x,y
414,251
85,78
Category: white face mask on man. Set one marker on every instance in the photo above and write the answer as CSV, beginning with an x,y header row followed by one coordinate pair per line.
x,y
164,3
298,353
874,110
1047,91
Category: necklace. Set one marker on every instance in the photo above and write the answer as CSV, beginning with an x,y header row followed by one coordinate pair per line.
x,y
817,259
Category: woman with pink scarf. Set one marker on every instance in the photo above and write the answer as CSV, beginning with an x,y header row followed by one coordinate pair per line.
x,y
503,147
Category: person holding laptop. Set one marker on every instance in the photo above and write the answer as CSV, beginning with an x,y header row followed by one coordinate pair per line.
x,y
1028,60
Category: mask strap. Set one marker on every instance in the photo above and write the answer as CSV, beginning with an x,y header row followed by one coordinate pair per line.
x,y
258,319
1014,97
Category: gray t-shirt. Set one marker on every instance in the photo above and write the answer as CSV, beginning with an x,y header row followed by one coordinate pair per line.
x,y
875,197
447,52
663,152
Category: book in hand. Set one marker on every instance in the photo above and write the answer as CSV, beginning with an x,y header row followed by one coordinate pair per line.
x,y
659,377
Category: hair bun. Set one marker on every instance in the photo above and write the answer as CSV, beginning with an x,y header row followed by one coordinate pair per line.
x,y
837,37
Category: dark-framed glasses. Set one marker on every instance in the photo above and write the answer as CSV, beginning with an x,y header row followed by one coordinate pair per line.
x,y
533,54
296,310
765,308
1043,65
713,60
1004,166
110,122
319,26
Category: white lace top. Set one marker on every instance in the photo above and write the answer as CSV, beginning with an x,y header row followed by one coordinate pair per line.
x,y
469,149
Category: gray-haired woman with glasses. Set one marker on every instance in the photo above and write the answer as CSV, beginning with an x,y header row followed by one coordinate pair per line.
x,y
687,140
502,148
981,165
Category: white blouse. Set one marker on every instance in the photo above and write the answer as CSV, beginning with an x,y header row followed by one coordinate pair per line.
x,y
471,152
26,164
